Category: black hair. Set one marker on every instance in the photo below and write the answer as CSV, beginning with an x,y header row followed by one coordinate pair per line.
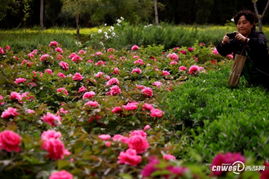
x,y
250,16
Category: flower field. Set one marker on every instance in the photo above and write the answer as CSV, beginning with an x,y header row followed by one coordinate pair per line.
x,y
97,114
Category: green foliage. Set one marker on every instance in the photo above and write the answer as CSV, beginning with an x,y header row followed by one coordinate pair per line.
x,y
167,35
218,118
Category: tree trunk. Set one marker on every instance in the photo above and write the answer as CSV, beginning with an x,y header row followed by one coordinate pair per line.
x,y
156,12
42,14
77,25
260,16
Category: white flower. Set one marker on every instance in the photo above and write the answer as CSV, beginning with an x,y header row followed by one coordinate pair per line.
x,y
100,31
113,34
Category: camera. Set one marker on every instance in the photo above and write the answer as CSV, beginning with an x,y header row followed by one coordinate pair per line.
x,y
231,35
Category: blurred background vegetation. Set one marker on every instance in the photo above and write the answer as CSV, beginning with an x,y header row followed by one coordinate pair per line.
x,y
63,13
26,24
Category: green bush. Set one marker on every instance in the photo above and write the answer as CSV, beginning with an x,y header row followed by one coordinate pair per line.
x,y
167,35
220,119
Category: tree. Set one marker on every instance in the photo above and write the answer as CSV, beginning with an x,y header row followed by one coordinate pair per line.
x,y
260,16
4,7
42,14
78,8
156,12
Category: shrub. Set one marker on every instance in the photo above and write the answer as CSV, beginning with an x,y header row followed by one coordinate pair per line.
x,y
218,118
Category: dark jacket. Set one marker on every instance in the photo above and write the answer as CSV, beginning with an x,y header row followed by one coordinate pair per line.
x,y
256,69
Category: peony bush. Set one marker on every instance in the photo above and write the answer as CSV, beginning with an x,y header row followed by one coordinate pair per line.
x,y
93,114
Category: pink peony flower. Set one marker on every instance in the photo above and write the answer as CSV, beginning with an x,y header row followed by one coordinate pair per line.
x,y
182,68
215,51
10,141
2,51
135,47
120,138
169,157
112,81
100,63
139,62
44,57
48,71
20,80
140,87
108,143
130,106
61,75
63,111
150,167
173,62
227,159
116,109
55,148
190,49
138,132
82,89
50,134
157,83
194,69
138,143
88,95
156,113
61,175
265,174
92,104
81,52
116,71
63,91
173,56
15,96
147,127
136,70
147,92
179,171
99,74
64,65
147,106
104,137
129,157
114,90
230,56
59,49
98,53
110,50
165,73
30,111
51,119
75,58
182,52
59,57
53,44
107,77
77,77
72,55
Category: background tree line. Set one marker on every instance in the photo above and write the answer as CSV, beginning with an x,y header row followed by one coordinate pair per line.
x,y
87,13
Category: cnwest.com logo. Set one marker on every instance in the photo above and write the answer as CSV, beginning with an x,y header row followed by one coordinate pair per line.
x,y
237,167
